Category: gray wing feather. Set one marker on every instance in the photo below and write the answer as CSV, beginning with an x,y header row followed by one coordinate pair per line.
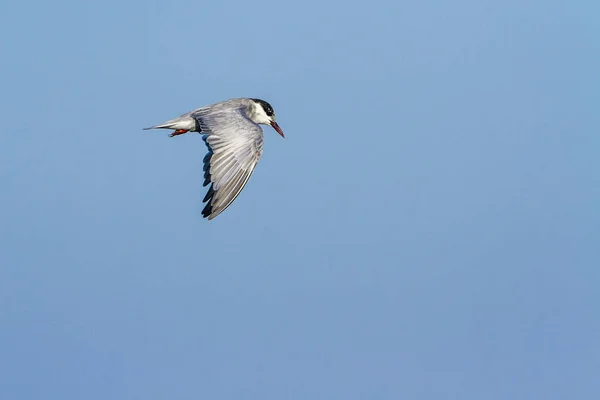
x,y
235,146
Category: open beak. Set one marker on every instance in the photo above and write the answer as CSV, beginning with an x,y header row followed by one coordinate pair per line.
x,y
277,128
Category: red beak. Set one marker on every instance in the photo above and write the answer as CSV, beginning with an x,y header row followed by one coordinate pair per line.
x,y
277,128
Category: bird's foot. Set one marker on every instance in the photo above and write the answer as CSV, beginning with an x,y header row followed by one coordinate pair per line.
x,y
178,132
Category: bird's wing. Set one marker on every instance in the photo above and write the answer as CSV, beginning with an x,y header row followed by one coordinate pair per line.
x,y
234,148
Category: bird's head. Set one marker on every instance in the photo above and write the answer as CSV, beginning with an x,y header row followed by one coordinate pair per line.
x,y
263,114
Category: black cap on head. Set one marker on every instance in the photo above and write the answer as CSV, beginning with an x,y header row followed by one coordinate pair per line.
x,y
266,106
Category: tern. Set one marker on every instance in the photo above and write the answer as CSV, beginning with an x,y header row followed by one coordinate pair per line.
x,y
231,130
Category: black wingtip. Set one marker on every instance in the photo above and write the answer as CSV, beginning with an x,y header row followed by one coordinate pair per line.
x,y
209,194
207,211
206,168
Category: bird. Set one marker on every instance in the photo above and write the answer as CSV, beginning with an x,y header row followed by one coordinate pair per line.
x,y
231,130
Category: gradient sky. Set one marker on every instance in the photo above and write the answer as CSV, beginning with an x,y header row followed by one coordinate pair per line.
x,y
430,228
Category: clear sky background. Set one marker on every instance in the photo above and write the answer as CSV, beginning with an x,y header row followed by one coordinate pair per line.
x,y
430,228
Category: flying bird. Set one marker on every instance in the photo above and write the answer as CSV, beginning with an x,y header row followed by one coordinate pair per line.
x,y
234,139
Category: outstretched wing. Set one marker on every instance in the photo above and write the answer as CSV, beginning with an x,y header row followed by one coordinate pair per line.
x,y
234,148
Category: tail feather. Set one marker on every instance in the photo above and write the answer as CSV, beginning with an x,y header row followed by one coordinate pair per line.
x,y
184,122
161,126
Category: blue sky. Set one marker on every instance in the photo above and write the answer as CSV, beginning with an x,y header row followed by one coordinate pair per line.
x,y
429,229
